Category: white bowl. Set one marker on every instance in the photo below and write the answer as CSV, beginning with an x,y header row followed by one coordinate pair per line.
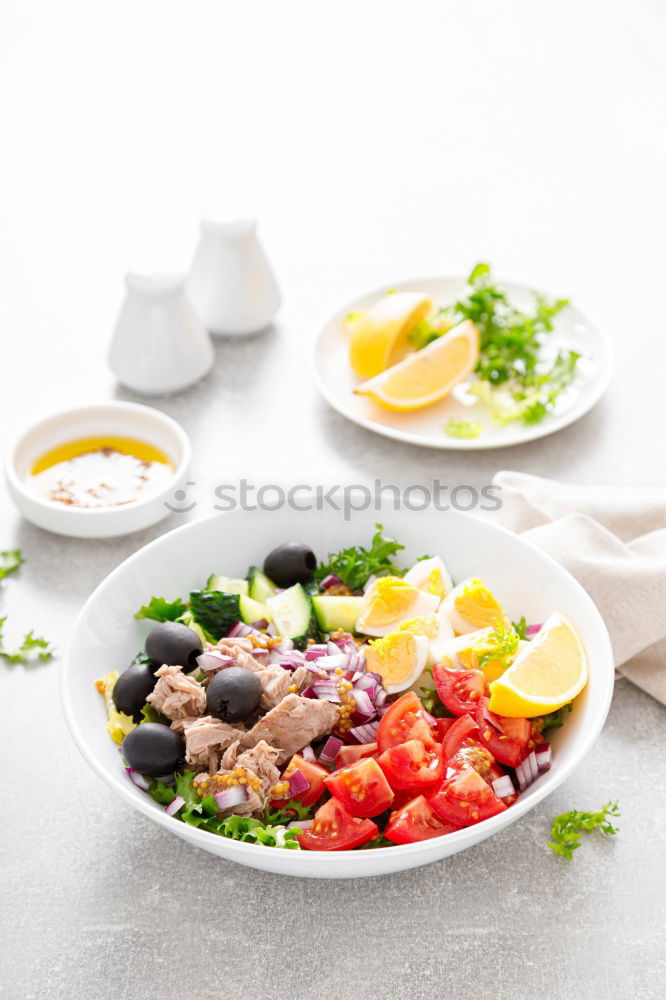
x,y
114,418
528,582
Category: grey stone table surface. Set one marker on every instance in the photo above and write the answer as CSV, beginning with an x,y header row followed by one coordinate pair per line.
x,y
523,133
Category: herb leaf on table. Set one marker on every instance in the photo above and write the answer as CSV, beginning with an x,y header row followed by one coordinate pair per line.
x,y
567,828
10,560
32,647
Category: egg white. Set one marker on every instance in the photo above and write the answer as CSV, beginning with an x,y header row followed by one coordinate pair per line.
x,y
424,606
420,663
420,571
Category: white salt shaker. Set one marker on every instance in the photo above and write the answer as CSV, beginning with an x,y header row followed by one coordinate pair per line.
x,y
231,282
159,344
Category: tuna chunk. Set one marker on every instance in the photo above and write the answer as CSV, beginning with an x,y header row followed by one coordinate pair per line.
x,y
275,683
176,695
255,769
239,650
206,739
293,724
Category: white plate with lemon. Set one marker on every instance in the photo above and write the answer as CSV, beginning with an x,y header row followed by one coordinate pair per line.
x,y
518,578
405,363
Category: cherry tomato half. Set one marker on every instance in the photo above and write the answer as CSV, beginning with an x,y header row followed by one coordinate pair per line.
x,y
465,798
459,690
416,821
412,765
405,720
334,829
507,739
313,773
361,788
350,754
459,731
443,726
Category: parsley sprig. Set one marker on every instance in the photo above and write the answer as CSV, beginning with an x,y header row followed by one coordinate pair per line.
x,y
567,828
355,564
10,560
32,647
159,609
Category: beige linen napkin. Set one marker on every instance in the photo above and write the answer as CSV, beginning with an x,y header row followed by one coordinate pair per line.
x,y
613,540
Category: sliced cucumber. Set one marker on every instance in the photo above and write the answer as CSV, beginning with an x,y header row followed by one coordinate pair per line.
x,y
293,615
226,585
216,613
260,587
253,611
336,612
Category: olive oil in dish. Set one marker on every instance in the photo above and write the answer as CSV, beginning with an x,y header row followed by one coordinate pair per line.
x,y
100,472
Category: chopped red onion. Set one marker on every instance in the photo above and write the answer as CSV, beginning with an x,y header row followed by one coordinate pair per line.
x,y
326,691
231,797
298,783
503,787
239,630
523,777
316,671
174,805
331,581
271,630
308,692
430,719
532,630
381,698
260,624
333,662
544,758
330,750
307,753
302,823
332,647
364,704
366,733
283,646
532,762
366,680
140,780
214,660
314,652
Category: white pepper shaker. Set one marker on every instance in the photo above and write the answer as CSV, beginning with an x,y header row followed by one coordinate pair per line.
x,y
159,344
231,283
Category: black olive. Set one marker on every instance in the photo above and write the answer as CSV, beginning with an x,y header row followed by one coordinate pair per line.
x,y
174,644
132,688
233,694
290,563
153,749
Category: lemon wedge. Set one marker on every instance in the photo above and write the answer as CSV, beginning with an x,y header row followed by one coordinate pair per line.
x,y
471,606
378,337
398,658
428,375
547,674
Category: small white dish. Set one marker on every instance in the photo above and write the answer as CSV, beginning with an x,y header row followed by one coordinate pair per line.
x,y
159,344
115,419
231,282
336,380
106,636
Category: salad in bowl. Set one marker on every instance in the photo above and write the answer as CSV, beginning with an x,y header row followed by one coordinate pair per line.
x,y
341,702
